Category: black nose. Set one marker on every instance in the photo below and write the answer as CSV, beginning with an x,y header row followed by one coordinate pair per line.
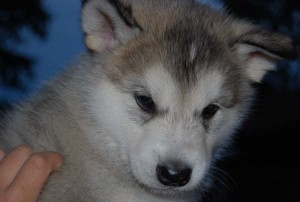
x,y
174,175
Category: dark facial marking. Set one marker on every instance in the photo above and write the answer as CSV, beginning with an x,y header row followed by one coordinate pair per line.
x,y
125,12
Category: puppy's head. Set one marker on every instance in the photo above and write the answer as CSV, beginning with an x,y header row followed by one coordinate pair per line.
x,y
177,83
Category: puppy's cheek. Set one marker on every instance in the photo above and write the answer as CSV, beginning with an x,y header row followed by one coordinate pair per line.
x,y
143,169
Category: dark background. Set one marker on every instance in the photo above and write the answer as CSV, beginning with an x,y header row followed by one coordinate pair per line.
x,y
264,164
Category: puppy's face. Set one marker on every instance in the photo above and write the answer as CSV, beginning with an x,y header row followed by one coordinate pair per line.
x,y
175,86
176,130
168,111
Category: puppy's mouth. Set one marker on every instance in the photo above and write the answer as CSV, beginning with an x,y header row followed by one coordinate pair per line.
x,y
165,190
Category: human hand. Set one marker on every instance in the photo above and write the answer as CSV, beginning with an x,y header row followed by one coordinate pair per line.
x,y
24,173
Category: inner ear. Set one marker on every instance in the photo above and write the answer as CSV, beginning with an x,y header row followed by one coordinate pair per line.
x,y
108,28
107,24
257,61
252,54
260,51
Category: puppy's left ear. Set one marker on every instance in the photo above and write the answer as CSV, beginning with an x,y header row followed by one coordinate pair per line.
x,y
260,50
108,24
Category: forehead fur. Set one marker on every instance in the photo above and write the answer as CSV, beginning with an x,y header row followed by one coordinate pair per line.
x,y
168,93
186,38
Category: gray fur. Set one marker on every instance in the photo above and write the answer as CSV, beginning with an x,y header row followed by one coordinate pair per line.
x,y
132,43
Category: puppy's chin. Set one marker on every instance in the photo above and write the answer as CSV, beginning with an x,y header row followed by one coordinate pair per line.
x,y
167,191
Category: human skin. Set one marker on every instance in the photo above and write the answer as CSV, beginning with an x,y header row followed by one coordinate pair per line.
x,y
24,173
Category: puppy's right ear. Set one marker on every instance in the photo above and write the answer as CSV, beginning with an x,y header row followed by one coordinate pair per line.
x,y
108,24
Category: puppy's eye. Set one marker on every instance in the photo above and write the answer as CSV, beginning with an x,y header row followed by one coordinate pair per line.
x,y
210,111
145,102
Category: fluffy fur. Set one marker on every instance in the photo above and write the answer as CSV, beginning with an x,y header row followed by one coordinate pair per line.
x,y
183,55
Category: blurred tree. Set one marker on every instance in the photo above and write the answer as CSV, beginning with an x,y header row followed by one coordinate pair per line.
x,y
17,16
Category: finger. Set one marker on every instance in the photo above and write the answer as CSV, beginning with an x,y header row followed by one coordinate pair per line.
x,y
2,154
11,164
33,175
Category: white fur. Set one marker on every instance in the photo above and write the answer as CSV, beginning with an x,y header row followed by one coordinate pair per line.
x,y
193,52
257,65
177,136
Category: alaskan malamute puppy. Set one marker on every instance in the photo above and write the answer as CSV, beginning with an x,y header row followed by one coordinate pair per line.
x,y
144,113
